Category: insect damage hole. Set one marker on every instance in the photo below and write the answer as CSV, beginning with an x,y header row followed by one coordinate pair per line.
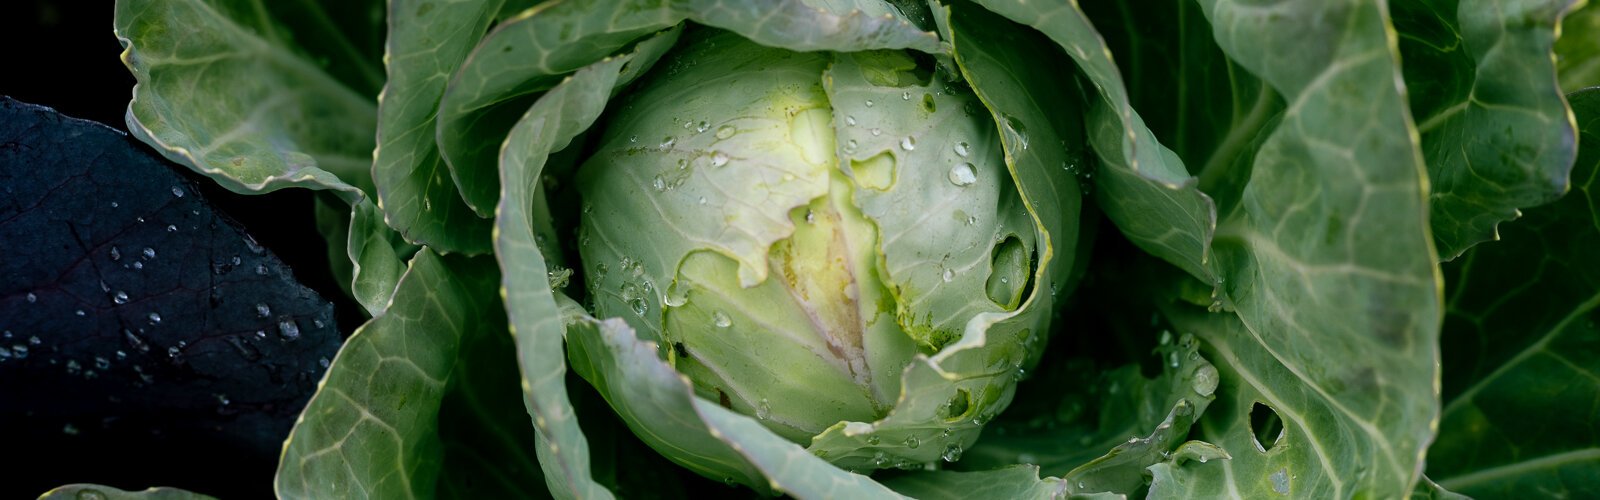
x,y
1266,427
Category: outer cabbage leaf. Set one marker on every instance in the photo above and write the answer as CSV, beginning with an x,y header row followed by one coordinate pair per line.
x,y
1144,187
419,401
1328,264
1207,108
1578,49
526,278
230,89
100,492
1018,481
428,40
1522,349
1496,132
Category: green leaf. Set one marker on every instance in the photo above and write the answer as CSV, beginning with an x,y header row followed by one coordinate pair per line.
x,y
1578,49
1187,386
1328,264
225,89
528,54
549,126
1017,481
377,253
1143,187
428,41
393,411
1207,108
100,492
1496,131
1522,349
1140,421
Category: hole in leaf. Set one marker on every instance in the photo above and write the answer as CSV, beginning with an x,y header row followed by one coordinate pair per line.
x,y
1008,273
1266,427
877,172
956,408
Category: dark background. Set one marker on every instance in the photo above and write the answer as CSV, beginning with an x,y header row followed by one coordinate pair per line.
x,y
64,55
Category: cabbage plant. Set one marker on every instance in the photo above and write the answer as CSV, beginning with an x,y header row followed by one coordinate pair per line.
x,y
869,248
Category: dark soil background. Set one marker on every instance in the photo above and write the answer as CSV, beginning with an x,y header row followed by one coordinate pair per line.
x,y
63,54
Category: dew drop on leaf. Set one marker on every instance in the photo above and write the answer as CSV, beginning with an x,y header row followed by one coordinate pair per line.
x,y
963,175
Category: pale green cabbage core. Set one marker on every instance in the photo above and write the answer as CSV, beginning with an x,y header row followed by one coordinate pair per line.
x,y
720,221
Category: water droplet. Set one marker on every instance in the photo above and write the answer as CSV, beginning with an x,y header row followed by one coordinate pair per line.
x,y
659,183
101,363
850,120
702,126
668,141
963,175
908,143
905,96
177,191
721,320
726,131
79,312
869,103
116,254
20,351
949,274
1016,127
172,228
874,440
173,352
121,355
120,297
155,318
114,204
633,138
323,362
34,340
952,452
69,429
639,306
876,131
850,146
764,409
972,219
261,269
880,459
32,298
702,200
135,341
719,158
962,149
913,442
288,330
263,311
